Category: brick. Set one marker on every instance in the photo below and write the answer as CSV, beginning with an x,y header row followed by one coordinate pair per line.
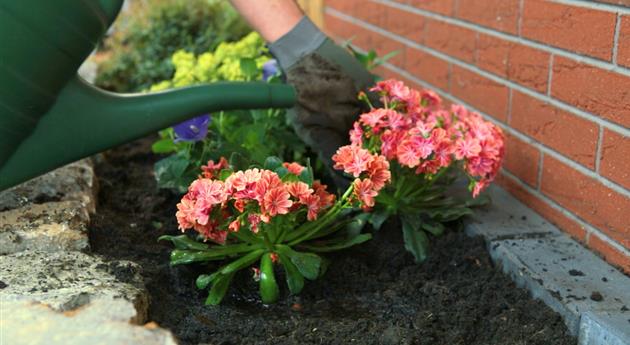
x,y
623,48
371,12
555,217
582,30
592,89
345,6
365,39
501,15
450,39
480,92
446,7
610,253
587,198
522,160
568,134
406,24
388,73
427,67
615,158
492,54
528,67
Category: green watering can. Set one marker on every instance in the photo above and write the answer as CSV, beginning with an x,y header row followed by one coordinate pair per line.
x,y
50,117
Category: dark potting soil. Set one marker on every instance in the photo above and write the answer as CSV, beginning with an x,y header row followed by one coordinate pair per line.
x,y
372,294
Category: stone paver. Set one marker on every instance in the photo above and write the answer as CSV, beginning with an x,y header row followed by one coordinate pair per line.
x,y
104,321
51,226
74,182
608,328
68,280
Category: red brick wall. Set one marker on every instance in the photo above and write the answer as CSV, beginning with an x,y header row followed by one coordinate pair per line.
x,y
555,75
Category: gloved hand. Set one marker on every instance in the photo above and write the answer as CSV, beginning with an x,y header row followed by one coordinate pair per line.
x,y
327,79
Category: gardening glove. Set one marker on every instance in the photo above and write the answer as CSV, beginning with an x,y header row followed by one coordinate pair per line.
x,y
327,79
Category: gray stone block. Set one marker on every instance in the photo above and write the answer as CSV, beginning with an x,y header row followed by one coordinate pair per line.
x,y
565,275
69,280
52,226
608,328
505,217
74,182
104,321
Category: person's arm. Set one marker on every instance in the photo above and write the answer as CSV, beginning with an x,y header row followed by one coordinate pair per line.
x,y
272,19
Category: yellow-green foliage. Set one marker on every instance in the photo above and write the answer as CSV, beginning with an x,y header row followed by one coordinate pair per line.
x,y
225,63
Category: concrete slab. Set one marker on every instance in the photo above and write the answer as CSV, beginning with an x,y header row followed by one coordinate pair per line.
x,y
605,329
592,296
568,277
505,217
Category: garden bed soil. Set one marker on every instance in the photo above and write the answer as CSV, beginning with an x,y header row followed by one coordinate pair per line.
x,y
372,294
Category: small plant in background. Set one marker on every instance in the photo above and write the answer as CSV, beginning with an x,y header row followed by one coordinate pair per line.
x,y
252,135
274,215
148,33
428,147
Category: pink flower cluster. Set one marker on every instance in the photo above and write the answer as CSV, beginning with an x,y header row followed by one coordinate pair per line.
x,y
246,198
415,130
357,161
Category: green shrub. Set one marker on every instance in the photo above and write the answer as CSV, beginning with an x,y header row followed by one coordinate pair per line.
x,y
147,36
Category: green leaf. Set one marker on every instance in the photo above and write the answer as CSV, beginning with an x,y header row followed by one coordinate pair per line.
x,y
204,280
172,172
357,224
239,161
282,172
248,67
307,174
378,217
184,242
342,244
242,262
324,267
181,257
165,145
219,288
307,263
269,290
295,280
416,241
435,228
272,163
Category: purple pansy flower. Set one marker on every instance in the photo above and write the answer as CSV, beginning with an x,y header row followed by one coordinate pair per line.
x,y
194,129
269,69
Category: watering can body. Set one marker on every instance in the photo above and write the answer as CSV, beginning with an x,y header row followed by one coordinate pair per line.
x,y
49,116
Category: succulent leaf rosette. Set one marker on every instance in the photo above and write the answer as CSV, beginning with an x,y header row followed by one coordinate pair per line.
x,y
427,147
274,215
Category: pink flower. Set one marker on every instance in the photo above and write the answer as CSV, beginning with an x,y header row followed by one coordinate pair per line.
x,y
276,201
185,213
299,190
356,134
253,220
325,199
210,170
374,118
379,172
430,98
407,154
208,192
467,148
294,168
313,206
479,186
352,159
364,192
235,225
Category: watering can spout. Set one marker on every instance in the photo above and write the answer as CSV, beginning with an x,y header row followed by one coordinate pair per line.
x,y
85,120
